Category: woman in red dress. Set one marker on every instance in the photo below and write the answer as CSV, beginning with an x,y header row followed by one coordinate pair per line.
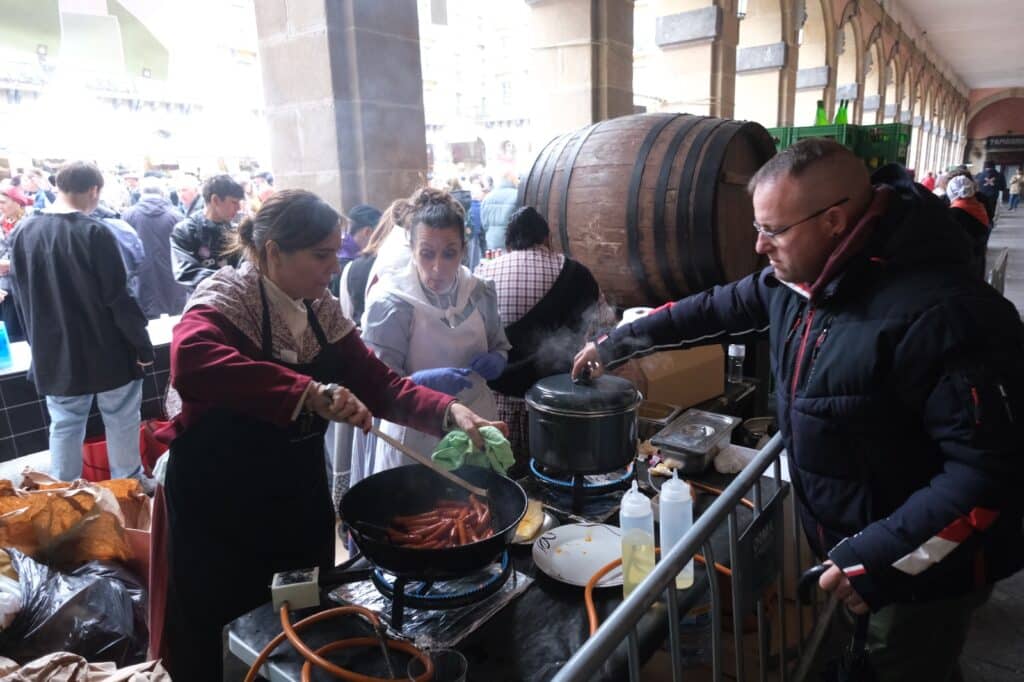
x,y
255,359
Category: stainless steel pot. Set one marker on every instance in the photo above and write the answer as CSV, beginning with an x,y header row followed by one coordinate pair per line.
x,y
583,428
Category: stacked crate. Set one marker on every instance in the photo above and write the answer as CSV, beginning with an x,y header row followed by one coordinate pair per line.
x,y
877,145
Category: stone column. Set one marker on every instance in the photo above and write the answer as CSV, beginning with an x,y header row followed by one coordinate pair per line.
x,y
929,139
581,63
697,39
344,97
787,85
918,133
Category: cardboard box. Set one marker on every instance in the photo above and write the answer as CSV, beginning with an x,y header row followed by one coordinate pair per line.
x,y
683,377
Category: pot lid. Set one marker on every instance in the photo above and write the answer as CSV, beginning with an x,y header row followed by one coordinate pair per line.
x,y
605,393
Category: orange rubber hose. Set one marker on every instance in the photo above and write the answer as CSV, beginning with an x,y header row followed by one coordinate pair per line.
x,y
290,632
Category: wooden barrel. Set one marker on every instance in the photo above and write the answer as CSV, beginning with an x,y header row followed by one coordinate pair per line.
x,y
654,204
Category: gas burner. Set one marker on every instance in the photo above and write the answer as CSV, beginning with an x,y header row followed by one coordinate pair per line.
x,y
612,482
440,595
582,486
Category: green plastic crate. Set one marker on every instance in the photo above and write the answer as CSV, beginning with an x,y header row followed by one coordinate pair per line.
x,y
846,135
783,137
885,143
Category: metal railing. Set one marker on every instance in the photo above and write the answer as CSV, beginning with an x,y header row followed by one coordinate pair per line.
x,y
997,275
621,624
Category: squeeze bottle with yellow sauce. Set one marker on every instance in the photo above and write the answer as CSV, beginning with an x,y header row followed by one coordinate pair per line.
x,y
636,519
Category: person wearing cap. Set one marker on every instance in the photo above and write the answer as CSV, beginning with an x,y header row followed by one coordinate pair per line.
x,y
899,388
362,219
12,209
13,203
990,183
131,183
971,215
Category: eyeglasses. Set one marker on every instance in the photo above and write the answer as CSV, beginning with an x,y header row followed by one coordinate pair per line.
x,y
773,234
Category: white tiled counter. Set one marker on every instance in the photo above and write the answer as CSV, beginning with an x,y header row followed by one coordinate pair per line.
x,y
23,417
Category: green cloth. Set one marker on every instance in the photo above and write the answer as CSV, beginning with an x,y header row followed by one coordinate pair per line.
x,y
457,449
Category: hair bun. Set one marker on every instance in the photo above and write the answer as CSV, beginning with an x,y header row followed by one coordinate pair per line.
x,y
245,231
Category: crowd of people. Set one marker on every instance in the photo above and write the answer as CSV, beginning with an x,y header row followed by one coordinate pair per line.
x,y
163,225
973,201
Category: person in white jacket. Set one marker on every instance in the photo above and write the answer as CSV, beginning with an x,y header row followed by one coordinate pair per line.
x,y
436,323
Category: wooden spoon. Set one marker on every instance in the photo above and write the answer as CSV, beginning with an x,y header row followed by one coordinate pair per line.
x,y
427,462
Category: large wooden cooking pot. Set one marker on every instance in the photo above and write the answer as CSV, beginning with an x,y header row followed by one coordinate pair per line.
x,y
654,204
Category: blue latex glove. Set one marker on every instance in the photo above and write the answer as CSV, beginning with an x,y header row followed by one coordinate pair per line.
x,y
488,365
448,380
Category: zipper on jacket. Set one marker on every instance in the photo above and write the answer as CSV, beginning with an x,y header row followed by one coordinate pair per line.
x,y
1006,402
789,336
817,349
800,354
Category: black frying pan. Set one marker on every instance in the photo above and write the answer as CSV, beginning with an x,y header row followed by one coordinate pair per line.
x,y
369,506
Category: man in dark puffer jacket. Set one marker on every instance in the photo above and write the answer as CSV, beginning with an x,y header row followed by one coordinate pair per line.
x,y
900,377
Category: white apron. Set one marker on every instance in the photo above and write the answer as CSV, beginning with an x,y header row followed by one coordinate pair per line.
x,y
434,343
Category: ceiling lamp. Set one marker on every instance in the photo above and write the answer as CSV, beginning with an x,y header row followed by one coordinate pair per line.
x,y
741,8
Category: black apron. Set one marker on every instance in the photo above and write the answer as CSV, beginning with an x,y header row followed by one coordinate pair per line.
x,y
245,499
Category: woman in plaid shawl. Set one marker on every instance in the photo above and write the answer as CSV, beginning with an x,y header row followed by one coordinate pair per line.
x,y
549,304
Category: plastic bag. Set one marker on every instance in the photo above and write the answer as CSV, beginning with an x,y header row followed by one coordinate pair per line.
x,y
11,599
98,612
67,524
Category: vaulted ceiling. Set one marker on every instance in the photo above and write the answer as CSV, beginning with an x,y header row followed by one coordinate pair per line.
x,y
981,41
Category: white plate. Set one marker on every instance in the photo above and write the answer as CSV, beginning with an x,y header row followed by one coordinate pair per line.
x,y
574,553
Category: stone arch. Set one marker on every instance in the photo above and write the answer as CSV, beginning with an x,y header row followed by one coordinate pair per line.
x,y
981,104
816,67
907,92
918,75
760,56
873,73
894,84
849,55
934,160
929,95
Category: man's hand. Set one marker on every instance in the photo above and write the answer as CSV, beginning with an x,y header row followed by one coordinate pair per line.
x,y
834,580
469,421
588,357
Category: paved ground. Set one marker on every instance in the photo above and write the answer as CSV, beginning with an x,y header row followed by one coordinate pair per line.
x,y
1009,233
995,648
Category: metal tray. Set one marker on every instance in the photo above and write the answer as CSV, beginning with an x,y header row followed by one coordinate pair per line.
x,y
695,437
652,417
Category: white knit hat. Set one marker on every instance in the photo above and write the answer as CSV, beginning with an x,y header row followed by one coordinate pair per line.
x,y
960,187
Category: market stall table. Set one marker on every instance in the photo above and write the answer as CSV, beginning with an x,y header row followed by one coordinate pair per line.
x,y
529,639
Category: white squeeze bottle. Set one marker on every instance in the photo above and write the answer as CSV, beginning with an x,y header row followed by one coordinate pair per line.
x,y
636,518
676,507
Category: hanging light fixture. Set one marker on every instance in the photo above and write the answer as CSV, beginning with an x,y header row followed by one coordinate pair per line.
x,y
741,8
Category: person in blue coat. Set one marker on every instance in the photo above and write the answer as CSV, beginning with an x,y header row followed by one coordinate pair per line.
x,y
496,209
